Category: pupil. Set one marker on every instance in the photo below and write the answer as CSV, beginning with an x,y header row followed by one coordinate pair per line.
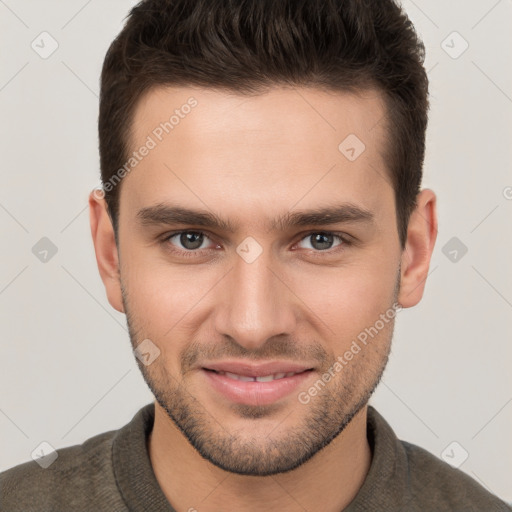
x,y
191,240
322,241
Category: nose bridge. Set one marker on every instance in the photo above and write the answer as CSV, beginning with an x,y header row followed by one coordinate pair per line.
x,y
254,306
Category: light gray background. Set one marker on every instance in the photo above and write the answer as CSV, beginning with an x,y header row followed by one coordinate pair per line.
x,y
67,371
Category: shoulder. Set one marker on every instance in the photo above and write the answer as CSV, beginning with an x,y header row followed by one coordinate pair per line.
x,y
434,481
81,474
406,477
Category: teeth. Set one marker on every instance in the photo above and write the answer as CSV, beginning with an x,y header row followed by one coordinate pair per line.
x,y
266,378
238,377
263,378
244,378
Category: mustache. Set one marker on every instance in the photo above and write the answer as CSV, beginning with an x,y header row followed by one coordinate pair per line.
x,y
275,348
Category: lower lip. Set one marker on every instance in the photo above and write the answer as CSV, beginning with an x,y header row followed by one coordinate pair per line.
x,y
253,392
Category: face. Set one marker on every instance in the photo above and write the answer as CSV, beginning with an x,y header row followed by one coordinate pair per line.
x,y
253,308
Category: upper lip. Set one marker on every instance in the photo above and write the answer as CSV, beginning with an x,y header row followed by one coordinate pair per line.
x,y
256,370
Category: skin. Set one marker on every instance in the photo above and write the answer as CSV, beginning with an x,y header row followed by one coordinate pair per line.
x,y
249,160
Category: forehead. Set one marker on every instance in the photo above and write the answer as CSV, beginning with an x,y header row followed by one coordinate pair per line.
x,y
281,114
246,155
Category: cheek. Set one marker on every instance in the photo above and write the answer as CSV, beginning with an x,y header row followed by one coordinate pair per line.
x,y
171,302
162,297
160,302
346,299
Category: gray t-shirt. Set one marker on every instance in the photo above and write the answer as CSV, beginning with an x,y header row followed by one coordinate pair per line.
x,y
112,472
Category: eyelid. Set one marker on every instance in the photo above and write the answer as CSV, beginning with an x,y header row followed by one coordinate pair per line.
x,y
165,238
346,240
344,237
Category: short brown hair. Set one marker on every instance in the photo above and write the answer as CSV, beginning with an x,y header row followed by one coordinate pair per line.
x,y
247,46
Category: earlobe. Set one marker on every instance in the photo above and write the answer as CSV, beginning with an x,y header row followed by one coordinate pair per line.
x,y
105,248
421,238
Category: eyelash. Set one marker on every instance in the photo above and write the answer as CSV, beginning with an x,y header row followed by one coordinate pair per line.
x,y
194,253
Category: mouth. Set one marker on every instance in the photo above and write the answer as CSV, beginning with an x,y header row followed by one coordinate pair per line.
x,y
247,384
262,378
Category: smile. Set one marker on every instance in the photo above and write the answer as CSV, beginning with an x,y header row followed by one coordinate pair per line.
x,y
249,389
263,378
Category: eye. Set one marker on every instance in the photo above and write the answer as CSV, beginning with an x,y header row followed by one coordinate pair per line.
x,y
323,241
193,243
189,240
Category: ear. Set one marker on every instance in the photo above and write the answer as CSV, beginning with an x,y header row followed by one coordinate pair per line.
x,y
105,247
421,237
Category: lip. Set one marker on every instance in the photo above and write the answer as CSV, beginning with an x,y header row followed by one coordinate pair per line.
x,y
256,370
253,392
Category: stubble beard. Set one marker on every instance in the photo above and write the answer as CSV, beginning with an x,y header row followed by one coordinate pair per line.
x,y
321,420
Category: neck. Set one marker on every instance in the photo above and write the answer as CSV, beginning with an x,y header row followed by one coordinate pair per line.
x,y
328,482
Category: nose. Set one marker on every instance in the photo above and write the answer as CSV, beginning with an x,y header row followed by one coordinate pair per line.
x,y
254,303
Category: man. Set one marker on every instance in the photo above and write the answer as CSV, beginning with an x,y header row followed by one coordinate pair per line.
x,y
261,223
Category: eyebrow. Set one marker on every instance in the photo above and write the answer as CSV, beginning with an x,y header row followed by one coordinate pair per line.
x,y
165,214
